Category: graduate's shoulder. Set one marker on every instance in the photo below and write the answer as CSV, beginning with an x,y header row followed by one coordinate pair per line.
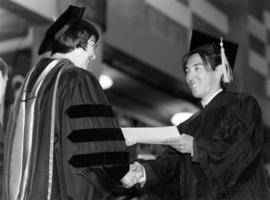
x,y
241,99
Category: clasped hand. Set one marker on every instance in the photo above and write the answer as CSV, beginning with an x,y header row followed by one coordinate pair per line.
x,y
136,174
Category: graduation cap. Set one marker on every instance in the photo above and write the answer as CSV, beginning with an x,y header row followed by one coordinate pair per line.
x,y
200,41
59,26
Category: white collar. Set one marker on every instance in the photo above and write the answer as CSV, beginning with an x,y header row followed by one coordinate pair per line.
x,y
206,101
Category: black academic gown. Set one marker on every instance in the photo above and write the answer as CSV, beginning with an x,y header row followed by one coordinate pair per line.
x,y
227,161
90,155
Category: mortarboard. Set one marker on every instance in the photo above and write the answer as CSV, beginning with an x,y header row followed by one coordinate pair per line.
x,y
71,14
199,39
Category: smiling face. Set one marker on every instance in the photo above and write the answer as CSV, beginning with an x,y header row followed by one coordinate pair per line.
x,y
201,79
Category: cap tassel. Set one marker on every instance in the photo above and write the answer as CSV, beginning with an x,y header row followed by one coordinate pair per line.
x,y
226,69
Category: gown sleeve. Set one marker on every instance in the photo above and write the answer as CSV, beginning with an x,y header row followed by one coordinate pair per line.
x,y
232,154
164,169
90,143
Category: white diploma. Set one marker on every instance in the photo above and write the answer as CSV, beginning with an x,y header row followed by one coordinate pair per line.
x,y
149,135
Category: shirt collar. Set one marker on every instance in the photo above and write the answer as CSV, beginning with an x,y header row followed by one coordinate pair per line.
x,y
206,101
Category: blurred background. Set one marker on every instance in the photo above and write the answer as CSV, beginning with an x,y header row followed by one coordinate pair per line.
x,y
139,55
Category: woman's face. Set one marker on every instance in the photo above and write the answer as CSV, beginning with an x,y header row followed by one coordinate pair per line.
x,y
86,55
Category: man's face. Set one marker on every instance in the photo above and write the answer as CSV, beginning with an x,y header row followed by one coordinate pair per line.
x,y
202,80
3,84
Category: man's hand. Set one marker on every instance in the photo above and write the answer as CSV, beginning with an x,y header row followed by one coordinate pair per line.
x,y
136,174
182,143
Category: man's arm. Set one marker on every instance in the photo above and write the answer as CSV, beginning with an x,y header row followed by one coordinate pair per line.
x,y
153,172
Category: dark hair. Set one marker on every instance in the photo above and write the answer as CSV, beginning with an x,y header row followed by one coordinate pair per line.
x,y
76,35
210,55
3,67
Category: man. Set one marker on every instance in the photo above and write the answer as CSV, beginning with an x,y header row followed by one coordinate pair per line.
x,y
63,140
219,150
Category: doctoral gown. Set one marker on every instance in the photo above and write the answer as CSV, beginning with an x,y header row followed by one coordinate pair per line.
x,y
89,152
227,161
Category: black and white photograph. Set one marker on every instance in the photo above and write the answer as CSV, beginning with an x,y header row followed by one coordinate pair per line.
x,y
134,100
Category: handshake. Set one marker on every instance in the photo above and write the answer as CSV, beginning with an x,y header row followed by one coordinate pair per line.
x,y
136,174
